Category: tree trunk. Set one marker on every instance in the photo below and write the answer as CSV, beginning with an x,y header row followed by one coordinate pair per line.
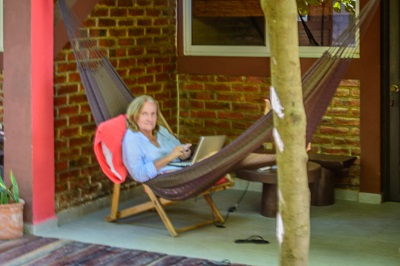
x,y
293,218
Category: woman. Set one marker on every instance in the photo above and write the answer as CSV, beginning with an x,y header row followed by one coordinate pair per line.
x,y
147,147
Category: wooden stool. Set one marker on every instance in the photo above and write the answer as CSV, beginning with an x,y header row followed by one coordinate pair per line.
x,y
269,179
332,166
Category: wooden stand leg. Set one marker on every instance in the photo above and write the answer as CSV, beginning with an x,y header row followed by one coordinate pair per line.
x,y
161,211
326,188
269,200
114,203
214,209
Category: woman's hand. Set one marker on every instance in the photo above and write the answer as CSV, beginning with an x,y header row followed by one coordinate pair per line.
x,y
186,151
182,151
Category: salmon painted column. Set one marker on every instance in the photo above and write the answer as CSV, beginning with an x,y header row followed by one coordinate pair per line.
x,y
28,106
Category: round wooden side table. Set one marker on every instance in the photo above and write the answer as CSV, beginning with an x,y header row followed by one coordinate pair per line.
x,y
269,179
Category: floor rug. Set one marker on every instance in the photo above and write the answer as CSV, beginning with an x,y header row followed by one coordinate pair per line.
x,y
32,250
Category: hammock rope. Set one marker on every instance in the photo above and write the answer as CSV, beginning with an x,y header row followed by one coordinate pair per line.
x,y
108,96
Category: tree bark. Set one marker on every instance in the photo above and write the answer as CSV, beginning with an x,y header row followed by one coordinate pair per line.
x,y
293,218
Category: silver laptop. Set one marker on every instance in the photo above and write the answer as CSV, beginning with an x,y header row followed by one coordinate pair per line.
x,y
208,146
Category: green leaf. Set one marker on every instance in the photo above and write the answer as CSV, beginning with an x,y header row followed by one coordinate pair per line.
x,y
3,192
302,7
337,7
349,6
14,187
10,194
2,182
3,198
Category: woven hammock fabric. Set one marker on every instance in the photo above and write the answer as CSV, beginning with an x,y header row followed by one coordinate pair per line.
x,y
109,96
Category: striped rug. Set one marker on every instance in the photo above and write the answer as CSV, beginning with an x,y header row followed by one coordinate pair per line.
x,y
32,250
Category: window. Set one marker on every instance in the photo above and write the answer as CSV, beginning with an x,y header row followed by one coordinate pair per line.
x,y
237,28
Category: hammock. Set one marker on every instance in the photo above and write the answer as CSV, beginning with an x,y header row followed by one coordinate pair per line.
x,y
109,96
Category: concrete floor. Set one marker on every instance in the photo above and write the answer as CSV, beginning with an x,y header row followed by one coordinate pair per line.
x,y
346,233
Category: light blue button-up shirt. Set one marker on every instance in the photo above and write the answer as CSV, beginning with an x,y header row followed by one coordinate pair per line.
x,y
139,154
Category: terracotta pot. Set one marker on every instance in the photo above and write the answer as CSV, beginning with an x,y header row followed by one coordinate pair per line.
x,y
11,220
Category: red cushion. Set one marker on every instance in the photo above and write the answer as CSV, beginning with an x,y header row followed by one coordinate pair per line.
x,y
111,133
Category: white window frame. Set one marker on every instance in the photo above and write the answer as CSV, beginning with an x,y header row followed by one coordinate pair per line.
x,y
239,51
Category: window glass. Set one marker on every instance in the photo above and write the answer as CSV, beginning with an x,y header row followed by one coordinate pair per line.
x,y
237,28
323,26
227,23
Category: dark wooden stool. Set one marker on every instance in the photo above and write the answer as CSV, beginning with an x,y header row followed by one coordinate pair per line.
x,y
269,179
332,166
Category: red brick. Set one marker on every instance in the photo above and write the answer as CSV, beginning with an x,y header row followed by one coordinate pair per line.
x,y
126,23
334,130
217,105
126,42
195,86
229,79
78,119
106,22
134,51
217,87
100,12
65,67
345,121
126,3
146,79
68,110
230,115
136,12
245,88
203,114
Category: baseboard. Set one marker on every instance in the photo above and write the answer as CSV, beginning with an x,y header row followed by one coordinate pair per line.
x,y
48,225
369,198
362,197
345,194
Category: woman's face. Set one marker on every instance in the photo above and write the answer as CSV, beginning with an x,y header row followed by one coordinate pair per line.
x,y
147,118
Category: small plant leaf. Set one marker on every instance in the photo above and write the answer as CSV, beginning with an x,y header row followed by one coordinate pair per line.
x,y
2,184
3,192
15,189
11,194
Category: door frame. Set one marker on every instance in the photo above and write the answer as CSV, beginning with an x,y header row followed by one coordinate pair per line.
x,y
389,156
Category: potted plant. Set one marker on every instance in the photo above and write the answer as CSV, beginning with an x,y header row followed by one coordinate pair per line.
x,y
11,210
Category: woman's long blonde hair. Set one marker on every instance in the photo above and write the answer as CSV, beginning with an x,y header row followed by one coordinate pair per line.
x,y
133,112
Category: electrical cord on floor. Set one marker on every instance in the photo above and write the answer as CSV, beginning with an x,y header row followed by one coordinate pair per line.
x,y
233,208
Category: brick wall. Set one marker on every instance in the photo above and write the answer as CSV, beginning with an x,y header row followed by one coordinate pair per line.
x,y
339,130
220,104
139,37
229,105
